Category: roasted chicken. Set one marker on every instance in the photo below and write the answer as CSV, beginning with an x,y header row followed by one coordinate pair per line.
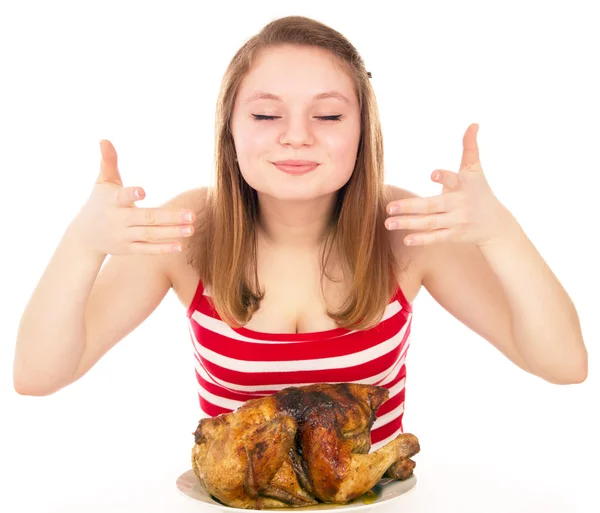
x,y
299,447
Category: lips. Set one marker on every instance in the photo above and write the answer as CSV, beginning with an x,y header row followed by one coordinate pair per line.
x,y
296,167
296,163
296,170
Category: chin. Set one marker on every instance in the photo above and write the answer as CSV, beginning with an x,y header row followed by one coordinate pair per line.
x,y
298,188
293,192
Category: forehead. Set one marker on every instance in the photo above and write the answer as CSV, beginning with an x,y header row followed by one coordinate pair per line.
x,y
296,73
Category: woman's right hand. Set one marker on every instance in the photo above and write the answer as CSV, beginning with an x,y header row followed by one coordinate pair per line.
x,y
110,224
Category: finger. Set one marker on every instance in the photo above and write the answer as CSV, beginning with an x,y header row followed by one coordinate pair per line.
x,y
158,216
150,248
428,238
109,171
432,205
127,196
470,155
428,222
158,233
449,179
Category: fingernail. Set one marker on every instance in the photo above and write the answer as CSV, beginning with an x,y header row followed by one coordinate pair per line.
x,y
409,242
392,225
137,194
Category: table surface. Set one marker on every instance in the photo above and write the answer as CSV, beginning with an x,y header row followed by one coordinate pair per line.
x,y
441,487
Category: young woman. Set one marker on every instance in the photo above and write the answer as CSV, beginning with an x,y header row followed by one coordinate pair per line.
x,y
299,265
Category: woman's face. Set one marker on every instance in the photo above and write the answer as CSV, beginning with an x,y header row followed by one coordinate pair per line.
x,y
299,130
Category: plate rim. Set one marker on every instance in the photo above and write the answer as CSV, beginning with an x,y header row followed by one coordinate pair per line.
x,y
341,507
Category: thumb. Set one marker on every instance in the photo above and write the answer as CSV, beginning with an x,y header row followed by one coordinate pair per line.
x,y
109,172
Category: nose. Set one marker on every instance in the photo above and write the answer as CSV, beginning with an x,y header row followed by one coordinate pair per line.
x,y
296,132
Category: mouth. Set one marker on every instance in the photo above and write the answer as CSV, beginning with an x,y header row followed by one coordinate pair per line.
x,y
295,167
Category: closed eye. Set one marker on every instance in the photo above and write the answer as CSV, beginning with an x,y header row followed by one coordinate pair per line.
x,y
260,117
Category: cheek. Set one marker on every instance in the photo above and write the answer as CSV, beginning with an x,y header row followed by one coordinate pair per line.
x,y
250,142
343,149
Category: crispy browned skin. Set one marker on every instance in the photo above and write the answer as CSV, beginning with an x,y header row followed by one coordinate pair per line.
x,y
401,469
297,447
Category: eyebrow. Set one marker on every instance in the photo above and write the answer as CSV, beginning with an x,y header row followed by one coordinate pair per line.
x,y
260,95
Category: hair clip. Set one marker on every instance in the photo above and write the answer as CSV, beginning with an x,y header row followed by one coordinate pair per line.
x,y
369,74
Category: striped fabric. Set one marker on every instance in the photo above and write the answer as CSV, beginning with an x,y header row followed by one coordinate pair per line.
x,y
234,365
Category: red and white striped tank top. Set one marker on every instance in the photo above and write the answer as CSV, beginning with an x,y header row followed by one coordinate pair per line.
x,y
234,365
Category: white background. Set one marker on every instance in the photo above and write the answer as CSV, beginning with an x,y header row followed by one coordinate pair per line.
x,y
146,76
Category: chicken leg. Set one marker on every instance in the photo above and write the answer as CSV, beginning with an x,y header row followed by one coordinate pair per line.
x,y
338,475
239,464
367,469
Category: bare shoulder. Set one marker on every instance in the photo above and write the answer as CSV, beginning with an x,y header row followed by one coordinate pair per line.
x,y
193,200
396,193
410,256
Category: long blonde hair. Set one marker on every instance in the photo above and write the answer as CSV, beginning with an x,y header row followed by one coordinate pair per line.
x,y
224,247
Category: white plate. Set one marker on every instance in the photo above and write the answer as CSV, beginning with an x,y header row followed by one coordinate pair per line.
x,y
189,485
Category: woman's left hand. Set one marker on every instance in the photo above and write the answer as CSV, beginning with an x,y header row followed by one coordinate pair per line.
x,y
466,211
